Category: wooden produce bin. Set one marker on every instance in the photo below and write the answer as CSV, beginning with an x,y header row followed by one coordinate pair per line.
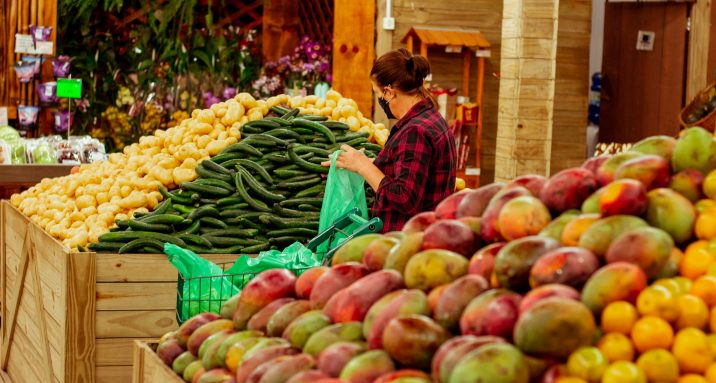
x,y
72,317
148,368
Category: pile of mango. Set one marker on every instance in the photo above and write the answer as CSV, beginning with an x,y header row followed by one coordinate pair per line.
x,y
602,273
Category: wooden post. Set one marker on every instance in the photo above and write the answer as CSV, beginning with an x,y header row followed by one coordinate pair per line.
x,y
466,58
410,44
424,49
698,57
533,130
478,100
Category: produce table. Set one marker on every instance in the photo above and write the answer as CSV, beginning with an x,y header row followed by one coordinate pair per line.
x,y
148,367
14,178
93,305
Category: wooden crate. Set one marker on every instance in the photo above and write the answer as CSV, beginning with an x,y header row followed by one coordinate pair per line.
x,y
80,324
148,368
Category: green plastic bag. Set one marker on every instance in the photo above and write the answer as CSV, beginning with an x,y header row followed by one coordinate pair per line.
x,y
295,257
345,191
207,289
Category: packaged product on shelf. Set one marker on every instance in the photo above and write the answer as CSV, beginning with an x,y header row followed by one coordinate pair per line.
x,y
68,153
43,153
17,152
5,157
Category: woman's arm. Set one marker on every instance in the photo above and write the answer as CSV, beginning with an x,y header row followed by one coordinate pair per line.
x,y
357,162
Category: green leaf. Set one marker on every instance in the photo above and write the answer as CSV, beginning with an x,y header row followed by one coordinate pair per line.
x,y
146,64
203,57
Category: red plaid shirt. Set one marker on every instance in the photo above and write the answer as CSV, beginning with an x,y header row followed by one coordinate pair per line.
x,y
418,161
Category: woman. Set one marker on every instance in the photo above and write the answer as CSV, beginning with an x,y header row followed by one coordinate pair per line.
x,y
416,168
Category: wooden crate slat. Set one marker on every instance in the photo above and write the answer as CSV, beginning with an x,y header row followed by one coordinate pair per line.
x,y
134,324
116,351
148,368
136,296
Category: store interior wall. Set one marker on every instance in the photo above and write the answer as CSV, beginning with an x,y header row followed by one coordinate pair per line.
x,y
597,41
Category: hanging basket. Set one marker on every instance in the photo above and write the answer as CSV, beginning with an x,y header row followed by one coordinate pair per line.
x,y
708,122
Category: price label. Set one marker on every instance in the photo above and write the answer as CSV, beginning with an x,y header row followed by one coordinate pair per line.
x,y
3,115
25,44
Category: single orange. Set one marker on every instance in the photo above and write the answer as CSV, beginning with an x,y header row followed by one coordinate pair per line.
x,y
697,259
587,363
692,350
684,284
711,339
619,316
711,270
659,365
616,346
710,374
658,301
712,321
692,378
669,283
624,372
705,226
704,287
703,204
709,185
651,332
693,312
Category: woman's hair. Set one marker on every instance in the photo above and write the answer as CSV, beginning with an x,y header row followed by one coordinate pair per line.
x,y
400,69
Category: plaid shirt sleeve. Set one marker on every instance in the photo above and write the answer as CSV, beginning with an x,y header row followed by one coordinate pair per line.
x,y
412,158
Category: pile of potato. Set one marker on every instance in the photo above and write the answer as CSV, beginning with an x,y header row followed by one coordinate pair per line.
x,y
78,208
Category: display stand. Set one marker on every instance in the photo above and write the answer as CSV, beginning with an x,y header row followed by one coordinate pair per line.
x,y
72,317
148,368
468,42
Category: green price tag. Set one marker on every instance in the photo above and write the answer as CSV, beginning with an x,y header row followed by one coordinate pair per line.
x,y
69,88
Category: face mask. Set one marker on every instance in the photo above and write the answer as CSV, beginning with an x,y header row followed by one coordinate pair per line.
x,y
386,108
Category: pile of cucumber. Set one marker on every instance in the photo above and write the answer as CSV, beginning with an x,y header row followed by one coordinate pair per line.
x,y
262,193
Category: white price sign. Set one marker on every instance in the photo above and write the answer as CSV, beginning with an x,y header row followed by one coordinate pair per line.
x,y
24,44
3,115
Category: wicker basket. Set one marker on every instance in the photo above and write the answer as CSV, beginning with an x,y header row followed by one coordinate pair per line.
x,y
709,121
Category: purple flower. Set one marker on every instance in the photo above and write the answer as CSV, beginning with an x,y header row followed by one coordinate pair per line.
x,y
229,92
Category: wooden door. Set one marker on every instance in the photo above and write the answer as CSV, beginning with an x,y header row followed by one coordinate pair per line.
x,y
354,51
642,91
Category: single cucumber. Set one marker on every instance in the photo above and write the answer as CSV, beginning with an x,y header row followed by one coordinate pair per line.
x,y
183,208
204,211
312,149
195,240
222,159
311,191
216,182
140,214
299,201
299,185
283,133
242,147
286,240
289,173
271,138
372,147
278,120
213,166
253,215
302,232
287,223
290,213
199,249
228,250
337,125
280,110
315,126
233,232
229,241
104,247
154,227
294,157
209,174
238,206
141,243
251,182
311,117
251,165
232,213
176,198
213,222
306,207
263,123
256,204
255,249
165,219
207,201
231,164
308,134
352,136
261,140
247,131
161,208
352,143
205,189
122,223
126,236
233,200
243,222
193,228
291,114
276,158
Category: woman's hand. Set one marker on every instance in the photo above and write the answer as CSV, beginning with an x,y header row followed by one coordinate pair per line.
x,y
358,162
350,159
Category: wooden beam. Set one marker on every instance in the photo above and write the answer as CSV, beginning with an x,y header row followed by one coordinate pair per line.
x,y
466,59
383,45
424,49
698,56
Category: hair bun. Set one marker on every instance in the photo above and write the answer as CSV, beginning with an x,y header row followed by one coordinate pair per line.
x,y
420,68
410,64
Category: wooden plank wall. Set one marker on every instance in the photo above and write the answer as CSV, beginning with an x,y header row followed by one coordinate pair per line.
x,y
544,87
15,17
484,15
698,57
